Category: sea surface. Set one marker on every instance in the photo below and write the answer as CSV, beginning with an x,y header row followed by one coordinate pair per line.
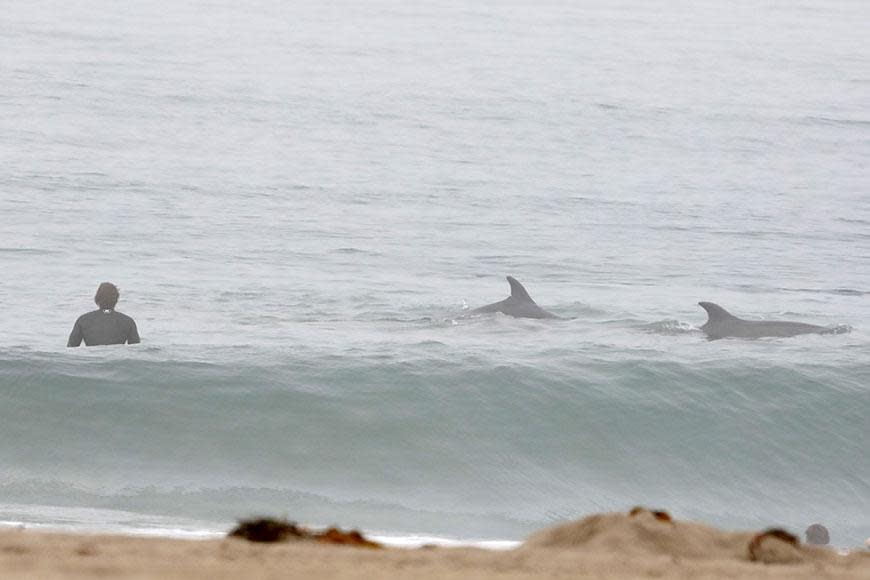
x,y
302,201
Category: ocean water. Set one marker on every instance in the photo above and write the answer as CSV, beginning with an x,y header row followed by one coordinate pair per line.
x,y
301,201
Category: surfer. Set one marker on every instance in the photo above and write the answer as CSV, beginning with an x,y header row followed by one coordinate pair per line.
x,y
104,325
817,535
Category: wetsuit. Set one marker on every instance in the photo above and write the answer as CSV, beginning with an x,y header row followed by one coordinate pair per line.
x,y
103,327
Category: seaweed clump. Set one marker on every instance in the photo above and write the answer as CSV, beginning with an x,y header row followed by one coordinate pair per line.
x,y
783,550
660,515
267,530
351,538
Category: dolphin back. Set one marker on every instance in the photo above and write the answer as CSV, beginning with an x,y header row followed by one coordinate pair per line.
x,y
519,304
722,324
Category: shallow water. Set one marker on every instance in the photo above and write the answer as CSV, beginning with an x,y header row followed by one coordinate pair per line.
x,y
301,201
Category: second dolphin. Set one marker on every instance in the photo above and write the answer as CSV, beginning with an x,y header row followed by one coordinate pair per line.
x,y
519,304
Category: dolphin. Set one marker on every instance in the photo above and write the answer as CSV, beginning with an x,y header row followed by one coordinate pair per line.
x,y
519,304
722,324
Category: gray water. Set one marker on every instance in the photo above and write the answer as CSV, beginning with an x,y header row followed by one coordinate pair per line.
x,y
300,201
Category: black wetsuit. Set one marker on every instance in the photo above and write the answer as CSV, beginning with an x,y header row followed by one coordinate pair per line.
x,y
103,327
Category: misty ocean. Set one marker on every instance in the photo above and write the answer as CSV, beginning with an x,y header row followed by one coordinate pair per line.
x,y
301,202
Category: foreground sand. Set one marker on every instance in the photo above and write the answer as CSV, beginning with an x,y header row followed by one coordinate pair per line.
x,y
607,546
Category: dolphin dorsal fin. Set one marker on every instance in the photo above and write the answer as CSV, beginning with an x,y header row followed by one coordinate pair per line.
x,y
716,313
517,290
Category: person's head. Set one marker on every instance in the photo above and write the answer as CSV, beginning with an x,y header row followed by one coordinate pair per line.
x,y
817,534
107,296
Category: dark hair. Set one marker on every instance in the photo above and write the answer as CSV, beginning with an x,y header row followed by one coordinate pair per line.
x,y
107,296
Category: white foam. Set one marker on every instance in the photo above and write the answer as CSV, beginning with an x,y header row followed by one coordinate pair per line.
x,y
417,541
104,521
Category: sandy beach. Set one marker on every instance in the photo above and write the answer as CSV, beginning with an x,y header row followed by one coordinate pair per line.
x,y
600,546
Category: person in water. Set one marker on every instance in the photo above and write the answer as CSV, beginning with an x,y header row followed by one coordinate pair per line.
x,y
817,535
104,326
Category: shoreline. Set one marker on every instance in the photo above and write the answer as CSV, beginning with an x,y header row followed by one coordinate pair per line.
x,y
635,545
408,541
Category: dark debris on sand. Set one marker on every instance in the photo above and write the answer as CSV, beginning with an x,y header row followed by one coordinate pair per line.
x,y
266,530
660,515
783,550
274,530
